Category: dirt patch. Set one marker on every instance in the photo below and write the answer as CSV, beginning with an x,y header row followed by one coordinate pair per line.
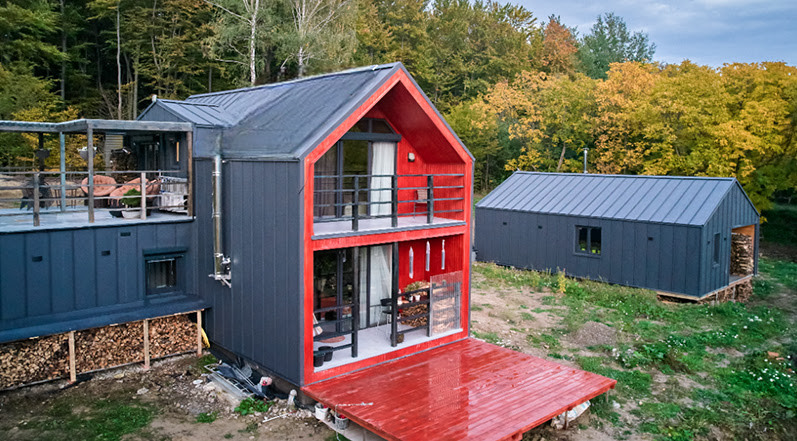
x,y
779,251
594,334
174,390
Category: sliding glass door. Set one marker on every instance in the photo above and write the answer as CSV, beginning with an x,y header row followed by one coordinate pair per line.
x,y
376,281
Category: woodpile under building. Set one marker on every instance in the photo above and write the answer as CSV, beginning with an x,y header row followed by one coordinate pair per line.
x,y
48,358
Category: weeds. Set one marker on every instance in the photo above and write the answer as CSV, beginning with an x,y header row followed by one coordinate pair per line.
x,y
207,417
108,419
251,405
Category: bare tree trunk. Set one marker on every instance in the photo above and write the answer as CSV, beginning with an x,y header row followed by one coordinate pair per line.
x,y
135,85
252,40
300,58
561,158
118,60
63,49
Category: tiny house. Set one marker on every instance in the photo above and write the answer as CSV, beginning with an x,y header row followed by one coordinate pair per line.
x,y
672,234
322,226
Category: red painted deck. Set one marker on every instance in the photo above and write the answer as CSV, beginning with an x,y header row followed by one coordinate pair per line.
x,y
466,390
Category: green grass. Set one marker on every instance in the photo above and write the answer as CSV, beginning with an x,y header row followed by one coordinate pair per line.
x,y
489,337
251,405
680,341
207,417
101,420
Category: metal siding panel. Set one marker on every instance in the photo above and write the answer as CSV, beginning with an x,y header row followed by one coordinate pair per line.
x,y
37,247
666,246
615,251
129,264
85,270
640,255
695,246
652,262
680,259
62,269
629,247
106,265
12,277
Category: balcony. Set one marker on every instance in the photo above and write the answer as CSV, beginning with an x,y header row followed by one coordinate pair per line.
x,y
93,173
364,204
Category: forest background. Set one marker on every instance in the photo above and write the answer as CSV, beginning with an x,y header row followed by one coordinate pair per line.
x,y
521,91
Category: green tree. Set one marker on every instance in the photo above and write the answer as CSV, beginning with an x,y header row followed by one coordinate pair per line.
x,y
609,41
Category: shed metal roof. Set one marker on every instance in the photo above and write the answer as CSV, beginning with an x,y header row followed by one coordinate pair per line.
x,y
658,199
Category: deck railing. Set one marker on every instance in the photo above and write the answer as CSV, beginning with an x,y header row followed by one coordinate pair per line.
x,y
42,193
355,198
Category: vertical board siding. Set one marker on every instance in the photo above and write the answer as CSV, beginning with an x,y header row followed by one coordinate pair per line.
x,y
259,318
62,274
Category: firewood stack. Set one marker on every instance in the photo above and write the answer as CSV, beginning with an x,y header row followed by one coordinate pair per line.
x,y
444,315
28,361
101,348
741,254
171,335
47,358
414,310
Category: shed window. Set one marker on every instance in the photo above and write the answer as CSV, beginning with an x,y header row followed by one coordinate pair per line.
x,y
163,273
588,240
716,258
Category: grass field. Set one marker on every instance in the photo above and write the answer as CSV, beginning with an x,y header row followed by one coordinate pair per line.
x,y
684,371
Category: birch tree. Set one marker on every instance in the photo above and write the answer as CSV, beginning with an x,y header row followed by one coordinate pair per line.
x,y
323,28
239,21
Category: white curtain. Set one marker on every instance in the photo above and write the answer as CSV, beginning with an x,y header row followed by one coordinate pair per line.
x,y
383,162
381,280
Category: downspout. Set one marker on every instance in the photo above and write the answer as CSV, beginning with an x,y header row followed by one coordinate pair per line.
x,y
221,264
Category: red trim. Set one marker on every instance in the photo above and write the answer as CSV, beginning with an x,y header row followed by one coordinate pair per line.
x,y
375,239
311,245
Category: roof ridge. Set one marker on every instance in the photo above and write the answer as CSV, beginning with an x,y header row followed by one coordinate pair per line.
x,y
720,178
370,68
186,103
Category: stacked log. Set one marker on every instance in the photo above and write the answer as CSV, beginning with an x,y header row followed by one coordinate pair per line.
x,y
29,361
414,310
101,348
171,335
742,257
47,358
744,290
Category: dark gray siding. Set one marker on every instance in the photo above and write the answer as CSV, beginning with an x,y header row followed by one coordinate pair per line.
x,y
656,256
260,317
734,211
57,276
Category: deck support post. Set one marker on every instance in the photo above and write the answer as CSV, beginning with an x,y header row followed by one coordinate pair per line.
x,y
199,333
72,370
36,202
430,199
90,160
143,189
394,297
146,344
566,421
62,148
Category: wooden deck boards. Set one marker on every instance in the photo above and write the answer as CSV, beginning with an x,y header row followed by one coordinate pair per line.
x,y
466,390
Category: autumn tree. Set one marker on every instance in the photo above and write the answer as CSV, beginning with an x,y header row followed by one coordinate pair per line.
x,y
559,47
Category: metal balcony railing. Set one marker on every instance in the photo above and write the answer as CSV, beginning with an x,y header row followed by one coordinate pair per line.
x,y
355,198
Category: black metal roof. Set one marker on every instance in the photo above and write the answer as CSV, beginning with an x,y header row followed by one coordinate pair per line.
x,y
660,199
281,119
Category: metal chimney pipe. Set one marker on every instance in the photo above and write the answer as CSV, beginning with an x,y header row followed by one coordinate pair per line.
x,y
585,159
221,264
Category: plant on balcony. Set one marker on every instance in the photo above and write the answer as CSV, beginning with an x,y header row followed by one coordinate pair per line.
x,y
131,199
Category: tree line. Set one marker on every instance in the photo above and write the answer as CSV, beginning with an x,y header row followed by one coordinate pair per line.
x,y
522,92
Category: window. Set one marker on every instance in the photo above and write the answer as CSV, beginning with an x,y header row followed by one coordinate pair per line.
x,y
588,240
163,273
716,258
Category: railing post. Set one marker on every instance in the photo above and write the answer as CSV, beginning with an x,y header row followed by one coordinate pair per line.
x,y
143,204
90,156
36,199
394,298
62,145
430,199
429,310
355,309
355,208
394,201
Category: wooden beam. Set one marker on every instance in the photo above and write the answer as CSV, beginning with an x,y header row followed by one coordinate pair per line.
x,y
72,370
199,333
90,156
146,344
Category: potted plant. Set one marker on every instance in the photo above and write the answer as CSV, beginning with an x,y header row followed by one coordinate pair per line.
x,y
131,199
